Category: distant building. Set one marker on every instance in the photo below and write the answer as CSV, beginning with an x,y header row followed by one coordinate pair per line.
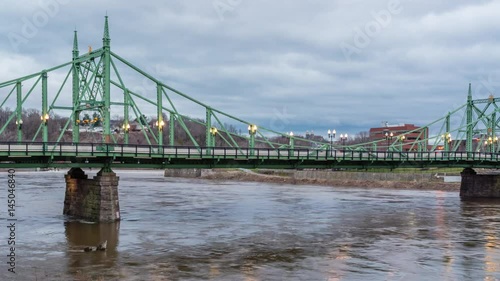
x,y
311,136
406,134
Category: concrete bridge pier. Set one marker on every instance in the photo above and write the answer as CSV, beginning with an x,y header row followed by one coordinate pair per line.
x,y
476,185
92,199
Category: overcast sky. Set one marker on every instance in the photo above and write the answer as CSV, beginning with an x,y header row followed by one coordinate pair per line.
x,y
287,65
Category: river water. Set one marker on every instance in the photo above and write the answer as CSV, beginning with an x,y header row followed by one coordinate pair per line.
x,y
192,229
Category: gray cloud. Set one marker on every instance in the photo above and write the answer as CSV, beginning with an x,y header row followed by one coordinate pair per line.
x,y
265,57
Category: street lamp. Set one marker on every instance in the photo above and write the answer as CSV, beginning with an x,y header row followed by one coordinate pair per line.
x,y
343,138
388,137
402,138
447,140
213,133
490,141
447,137
331,136
160,125
45,118
291,142
19,124
252,129
126,127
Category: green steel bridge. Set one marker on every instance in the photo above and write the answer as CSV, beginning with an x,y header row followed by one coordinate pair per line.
x,y
97,84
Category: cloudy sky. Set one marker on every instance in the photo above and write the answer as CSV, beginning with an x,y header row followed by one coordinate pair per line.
x,y
287,65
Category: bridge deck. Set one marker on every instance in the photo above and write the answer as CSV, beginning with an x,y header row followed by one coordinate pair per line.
x,y
138,156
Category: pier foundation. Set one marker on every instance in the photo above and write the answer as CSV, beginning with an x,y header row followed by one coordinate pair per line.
x,y
476,185
93,199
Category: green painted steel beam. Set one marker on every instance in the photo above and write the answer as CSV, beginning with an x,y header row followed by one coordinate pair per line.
x,y
90,56
18,153
75,91
45,112
63,107
107,84
159,113
7,97
208,127
126,117
493,137
171,129
447,136
28,77
138,114
19,112
178,116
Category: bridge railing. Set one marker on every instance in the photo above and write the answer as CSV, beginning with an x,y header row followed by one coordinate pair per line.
x,y
10,150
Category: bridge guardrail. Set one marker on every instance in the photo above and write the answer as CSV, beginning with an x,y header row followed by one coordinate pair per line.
x,y
18,149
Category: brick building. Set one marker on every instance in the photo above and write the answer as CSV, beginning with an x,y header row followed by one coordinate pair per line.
x,y
410,132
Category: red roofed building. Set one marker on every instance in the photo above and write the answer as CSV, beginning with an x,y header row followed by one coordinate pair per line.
x,y
405,134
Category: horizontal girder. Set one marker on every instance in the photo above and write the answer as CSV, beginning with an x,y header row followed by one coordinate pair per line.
x,y
29,155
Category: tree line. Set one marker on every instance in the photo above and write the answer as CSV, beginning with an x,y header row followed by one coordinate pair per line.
x,y
56,124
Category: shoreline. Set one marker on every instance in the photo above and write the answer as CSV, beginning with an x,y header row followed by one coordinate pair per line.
x,y
250,176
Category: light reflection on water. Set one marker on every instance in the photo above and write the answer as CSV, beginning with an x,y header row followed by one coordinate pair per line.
x,y
185,229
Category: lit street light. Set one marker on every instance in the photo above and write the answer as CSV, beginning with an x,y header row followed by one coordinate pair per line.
x,y
401,139
291,143
343,138
252,129
126,127
213,133
160,125
331,136
19,124
45,118
388,137
447,140
491,141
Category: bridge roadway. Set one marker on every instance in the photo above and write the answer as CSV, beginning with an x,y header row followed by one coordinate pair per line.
x,y
61,155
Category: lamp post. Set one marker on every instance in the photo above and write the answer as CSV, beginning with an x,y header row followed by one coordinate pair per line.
x,y
45,118
491,141
343,138
388,137
291,142
19,124
331,136
45,132
126,129
213,133
401,139
447,140
252,129
160,124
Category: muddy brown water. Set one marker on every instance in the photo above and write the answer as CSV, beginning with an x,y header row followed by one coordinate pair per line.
x,y
191,229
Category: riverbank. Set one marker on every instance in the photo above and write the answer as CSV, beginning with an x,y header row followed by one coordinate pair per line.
x,y
288,177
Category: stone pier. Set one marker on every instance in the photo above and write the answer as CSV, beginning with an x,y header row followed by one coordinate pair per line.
x,y
476,185
92,199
